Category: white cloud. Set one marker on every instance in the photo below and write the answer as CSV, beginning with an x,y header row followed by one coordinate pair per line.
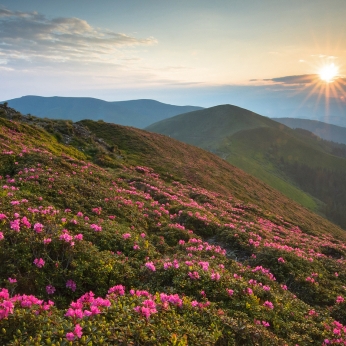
x,y
32,38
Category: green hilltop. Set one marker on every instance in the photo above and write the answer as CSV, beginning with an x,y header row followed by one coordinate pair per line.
x,y
111,235
297,163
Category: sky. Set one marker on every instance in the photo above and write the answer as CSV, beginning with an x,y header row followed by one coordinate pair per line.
x,y
260,55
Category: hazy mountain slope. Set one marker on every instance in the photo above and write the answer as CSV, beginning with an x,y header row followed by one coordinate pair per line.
x,y
323,130
98,248
137,113
267,150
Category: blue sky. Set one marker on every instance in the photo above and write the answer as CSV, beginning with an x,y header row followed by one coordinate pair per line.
x,y
246,52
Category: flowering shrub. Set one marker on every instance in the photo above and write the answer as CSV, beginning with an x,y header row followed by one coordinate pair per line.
x,y
87,251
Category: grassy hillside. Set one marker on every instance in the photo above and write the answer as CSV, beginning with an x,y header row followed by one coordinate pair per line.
x,y
138,113
323,130
109,235
270,151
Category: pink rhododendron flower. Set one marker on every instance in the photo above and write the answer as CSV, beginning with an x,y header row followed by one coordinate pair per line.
x,y
71,285
66,237
126,235
340,300
78,331
193,275
215,276
204,265
1,236
268,304
39,262
148,308
50,289
78,236
47,240
150,266
12,281
15,225
70,336
118,289
230,292
96,228
26,222
167,265
249,291
281,260
310,279
38,228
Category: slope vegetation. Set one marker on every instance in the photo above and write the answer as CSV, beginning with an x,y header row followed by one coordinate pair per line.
x,y
109,236
137,113
296,162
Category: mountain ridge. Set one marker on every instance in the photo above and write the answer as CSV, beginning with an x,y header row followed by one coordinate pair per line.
x,y
137,113
323,130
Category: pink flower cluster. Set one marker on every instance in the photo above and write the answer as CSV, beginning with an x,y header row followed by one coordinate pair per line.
x,y
147,309
38,228
95,227
87,305
117,290
268,304
77,332
39,262
150,266
8,304
340,300
171,298
71,285
263,323
193,275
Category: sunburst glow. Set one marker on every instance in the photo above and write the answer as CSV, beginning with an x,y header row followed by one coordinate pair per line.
x,y
328,73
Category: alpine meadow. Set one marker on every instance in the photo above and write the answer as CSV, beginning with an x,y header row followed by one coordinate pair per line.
x,y
172,173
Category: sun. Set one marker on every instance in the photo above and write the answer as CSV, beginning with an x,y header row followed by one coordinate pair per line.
x,y
328,73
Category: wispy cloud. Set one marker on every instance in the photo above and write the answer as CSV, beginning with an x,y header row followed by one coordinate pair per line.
x,y
289,80
296,80
32,37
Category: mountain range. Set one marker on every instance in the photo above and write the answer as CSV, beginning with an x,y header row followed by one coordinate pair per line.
x,y
137,113
305,168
